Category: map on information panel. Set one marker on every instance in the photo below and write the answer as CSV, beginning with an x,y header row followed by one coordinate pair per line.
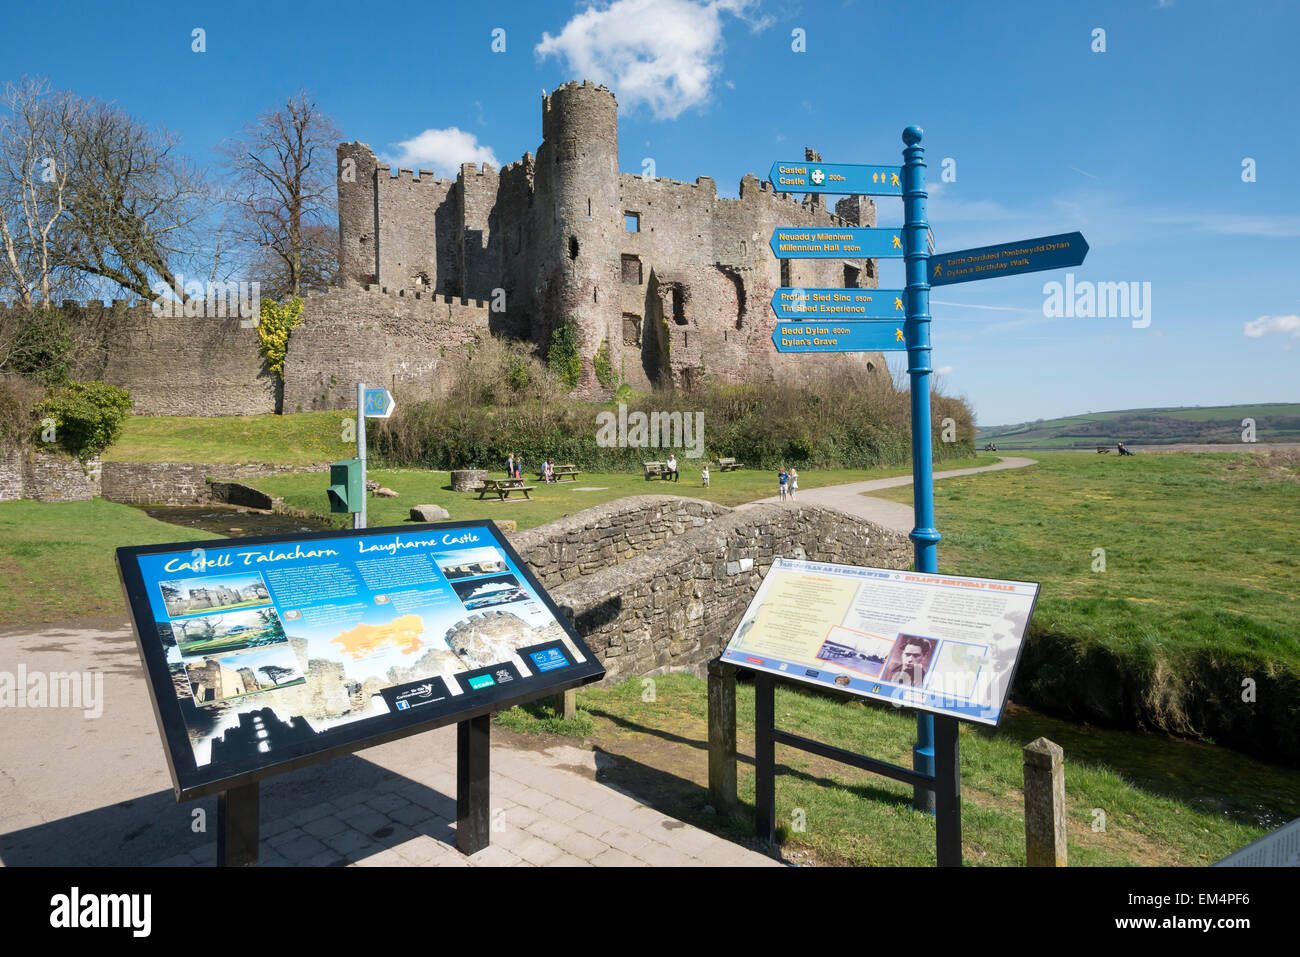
x,y
946,644
267,650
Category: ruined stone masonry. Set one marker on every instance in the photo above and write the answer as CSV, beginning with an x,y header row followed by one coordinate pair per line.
x,y
674,280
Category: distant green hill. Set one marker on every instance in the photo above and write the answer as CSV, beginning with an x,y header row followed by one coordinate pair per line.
x,y
1274,422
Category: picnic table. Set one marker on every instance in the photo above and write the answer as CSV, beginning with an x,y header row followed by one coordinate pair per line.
x,y
502,488
561,472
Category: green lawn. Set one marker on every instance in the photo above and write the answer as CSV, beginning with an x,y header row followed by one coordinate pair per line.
x,y
304,439
57,559
1182,803
1198,591
306,492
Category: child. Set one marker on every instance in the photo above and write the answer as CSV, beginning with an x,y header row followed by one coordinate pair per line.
x,y
704,474
794,482
782,480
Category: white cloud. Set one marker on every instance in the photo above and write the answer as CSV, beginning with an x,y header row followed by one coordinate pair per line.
x,y
943,370
441,151
660,53
1266,324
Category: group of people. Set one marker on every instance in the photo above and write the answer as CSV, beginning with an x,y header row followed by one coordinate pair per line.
x,y
788,483
515,468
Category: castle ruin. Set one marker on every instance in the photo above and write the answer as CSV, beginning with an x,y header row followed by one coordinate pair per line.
x,y
671,279
674,280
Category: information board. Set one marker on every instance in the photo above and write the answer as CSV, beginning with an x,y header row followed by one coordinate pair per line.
x,y
264,653
946,644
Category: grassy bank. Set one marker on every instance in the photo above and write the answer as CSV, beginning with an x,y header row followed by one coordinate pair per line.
x,y
57,558
1195,609
303,439
1178,803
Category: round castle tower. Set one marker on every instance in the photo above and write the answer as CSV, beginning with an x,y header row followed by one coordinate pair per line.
x,y
579,262
358,243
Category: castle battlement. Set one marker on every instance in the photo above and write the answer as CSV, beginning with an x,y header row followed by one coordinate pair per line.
x,y
660,272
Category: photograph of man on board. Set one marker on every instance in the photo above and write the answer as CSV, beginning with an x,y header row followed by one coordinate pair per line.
x,y
910,660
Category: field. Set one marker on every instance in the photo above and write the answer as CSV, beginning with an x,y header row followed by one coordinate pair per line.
x,y
307,438
57,558
1168,585
1274,422
1162,801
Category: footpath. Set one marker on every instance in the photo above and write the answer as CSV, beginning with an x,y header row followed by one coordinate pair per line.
x,y
79,790
893,515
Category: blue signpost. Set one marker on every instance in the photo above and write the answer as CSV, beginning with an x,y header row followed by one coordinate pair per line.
x,y
836,242
848,178
850,320
1008,259
827,304
870,335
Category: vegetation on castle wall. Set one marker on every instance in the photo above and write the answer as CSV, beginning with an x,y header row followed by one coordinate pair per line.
x,y
18,400
840,421
87,416
605,373
562,358
274,328
38,344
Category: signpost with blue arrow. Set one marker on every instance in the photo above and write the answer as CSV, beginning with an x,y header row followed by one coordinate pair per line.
x,y
794,303
874,335
836,242
847,178
872,320
1008,259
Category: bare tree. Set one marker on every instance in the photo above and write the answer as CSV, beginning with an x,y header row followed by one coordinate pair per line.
x,y
283,167
36,147
134,203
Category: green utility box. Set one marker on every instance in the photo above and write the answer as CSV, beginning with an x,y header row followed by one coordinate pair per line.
x,y
347,485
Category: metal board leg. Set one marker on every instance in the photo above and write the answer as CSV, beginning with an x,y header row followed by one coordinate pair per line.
x,y
238,810
472,762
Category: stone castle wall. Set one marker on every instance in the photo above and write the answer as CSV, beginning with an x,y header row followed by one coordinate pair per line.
x,y
174,366
392,338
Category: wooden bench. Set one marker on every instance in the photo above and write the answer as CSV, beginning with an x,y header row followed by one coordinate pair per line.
x,y
560,473
727,465
1103,450
658,470
502,488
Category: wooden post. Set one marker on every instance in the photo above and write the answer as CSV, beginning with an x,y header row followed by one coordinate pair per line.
x,y
1044,804
566,704
722,737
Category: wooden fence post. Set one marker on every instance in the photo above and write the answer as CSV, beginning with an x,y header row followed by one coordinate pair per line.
x,y
722,737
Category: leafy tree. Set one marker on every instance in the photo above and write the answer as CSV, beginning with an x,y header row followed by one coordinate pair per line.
x,y
88,416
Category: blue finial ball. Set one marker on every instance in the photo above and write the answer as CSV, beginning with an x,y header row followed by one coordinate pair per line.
x,y
912,135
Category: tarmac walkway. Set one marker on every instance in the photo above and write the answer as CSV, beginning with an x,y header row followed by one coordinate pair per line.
x,y
895,515
78,790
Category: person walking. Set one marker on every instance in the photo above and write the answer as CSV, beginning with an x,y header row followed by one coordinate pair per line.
x,y
519,468
783,482
510,465
794,482
704,474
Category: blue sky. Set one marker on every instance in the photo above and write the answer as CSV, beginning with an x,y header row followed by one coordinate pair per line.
x,y
1140,147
